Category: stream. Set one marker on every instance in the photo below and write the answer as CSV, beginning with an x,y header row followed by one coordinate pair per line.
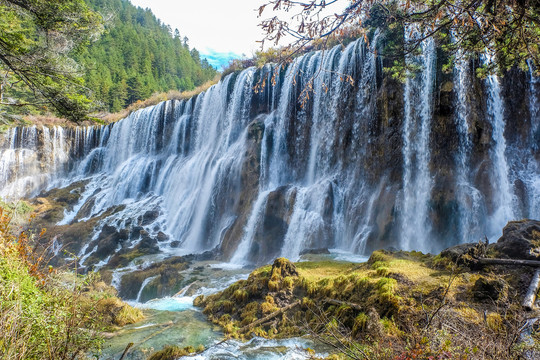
x,y
175,321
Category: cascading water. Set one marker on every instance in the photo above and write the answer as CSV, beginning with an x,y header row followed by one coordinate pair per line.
x,y
470,206
417,181
256,175
503,200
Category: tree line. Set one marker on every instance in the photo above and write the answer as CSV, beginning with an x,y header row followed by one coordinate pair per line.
x,y
74,57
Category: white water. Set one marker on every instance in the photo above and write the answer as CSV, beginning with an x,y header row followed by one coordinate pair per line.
x,y
259,349
503,200
417,181
470,205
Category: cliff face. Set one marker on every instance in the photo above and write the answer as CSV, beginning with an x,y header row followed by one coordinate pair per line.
x,y
444,158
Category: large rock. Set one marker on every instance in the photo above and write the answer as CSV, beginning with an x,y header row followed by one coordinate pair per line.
x,y
520,240
456,252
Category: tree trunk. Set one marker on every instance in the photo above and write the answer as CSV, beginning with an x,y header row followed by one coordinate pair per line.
x,y
486,261
530,297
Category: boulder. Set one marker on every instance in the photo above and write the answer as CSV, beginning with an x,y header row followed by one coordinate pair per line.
x,y
161,236
456,252
149,217
520,240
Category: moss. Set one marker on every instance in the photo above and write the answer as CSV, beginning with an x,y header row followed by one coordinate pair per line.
x,y
172,353
383,271
386,299
379,256
386,285
241,295
494,321
390,327
198,301
360,324
273,285
117,312
378,264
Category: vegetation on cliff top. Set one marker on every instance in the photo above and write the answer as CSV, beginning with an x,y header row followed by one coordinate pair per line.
x,y
396,306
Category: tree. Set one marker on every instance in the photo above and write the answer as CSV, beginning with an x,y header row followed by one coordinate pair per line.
x,y
37,39
508,30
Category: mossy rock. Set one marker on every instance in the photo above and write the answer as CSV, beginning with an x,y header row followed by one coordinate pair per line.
x,y
172,352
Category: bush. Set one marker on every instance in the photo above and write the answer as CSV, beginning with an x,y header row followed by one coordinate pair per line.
x,y
45,314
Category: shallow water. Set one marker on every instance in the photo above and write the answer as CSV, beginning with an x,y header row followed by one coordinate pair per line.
x,y
160,328
175,321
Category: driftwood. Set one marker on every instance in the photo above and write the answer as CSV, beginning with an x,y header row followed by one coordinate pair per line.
x,y
487,261
126,351
269,317
530,297
349,304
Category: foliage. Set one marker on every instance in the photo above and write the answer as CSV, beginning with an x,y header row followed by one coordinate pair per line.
x,y
37,38
46,313
138,56
505,30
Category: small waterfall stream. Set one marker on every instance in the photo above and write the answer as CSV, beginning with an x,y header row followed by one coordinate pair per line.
x,y
503,200
469,196
417,181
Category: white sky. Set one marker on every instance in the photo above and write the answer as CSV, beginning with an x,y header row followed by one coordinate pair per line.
x,y
219,29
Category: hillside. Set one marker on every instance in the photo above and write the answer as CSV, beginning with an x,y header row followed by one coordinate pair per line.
x,y
137,56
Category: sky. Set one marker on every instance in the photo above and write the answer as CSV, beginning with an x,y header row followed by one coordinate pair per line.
x,y
219,29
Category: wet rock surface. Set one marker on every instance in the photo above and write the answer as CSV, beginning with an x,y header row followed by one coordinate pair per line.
x,y
520,240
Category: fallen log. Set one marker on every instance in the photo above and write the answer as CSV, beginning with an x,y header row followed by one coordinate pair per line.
x,y
349,304
514,262
530,297
269,317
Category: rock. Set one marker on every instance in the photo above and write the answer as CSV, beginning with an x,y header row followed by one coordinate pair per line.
x,y
456,252
488,290
136,231
315,251
168,280
520,240
161,236
283,267
149,217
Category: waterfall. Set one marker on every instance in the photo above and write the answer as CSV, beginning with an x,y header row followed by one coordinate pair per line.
x,y
469,196
30,158
417,182
503,199
251,175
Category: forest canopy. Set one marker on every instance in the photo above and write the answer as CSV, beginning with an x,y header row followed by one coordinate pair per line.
x,y
137,56
80,56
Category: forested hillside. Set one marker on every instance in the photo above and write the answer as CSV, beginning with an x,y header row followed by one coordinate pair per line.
x,y
137,56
